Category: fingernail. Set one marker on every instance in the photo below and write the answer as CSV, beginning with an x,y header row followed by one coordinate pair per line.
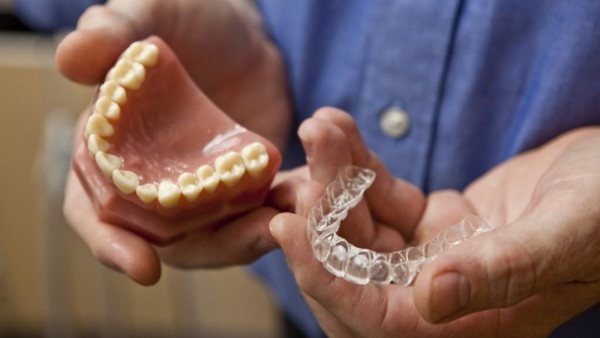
x,y
450,293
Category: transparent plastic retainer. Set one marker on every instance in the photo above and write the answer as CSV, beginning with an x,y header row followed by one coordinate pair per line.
x,y
362,266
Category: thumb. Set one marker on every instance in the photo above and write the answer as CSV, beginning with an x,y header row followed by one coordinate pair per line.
x,y
86,54
500,269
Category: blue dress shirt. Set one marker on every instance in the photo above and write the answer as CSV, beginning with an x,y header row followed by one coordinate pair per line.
x,y
478,81
51,15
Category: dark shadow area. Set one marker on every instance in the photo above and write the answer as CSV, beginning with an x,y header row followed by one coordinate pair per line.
x,y
11,23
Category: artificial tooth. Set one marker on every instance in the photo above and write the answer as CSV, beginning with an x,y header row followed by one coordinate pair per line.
x,y
108,162
105,107
112,90
96,143
255,158
147,192
230,168
126,181
168,194
190,186
128,74
209,178
99,125
142,52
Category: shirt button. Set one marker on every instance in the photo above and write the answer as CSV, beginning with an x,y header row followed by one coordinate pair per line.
x,y
394,122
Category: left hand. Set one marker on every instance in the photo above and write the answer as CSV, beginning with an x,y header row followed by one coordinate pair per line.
x,y
537,270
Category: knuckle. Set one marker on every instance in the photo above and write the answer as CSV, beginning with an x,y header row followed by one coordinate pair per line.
x,y
91,13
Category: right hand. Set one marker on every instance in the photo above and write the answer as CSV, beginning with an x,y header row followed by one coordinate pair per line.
x,y
224,49
538,269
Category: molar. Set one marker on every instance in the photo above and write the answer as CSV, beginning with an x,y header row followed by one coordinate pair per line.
x,y
208,177
230,168
112,90
105,107
190,186
126,181
255,158
108,163
128,74
142,52
99,125
147,192
96,143
168,194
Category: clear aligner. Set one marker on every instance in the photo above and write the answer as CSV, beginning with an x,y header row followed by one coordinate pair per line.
x,y
363,266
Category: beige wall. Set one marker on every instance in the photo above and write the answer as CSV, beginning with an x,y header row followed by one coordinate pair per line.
x,y
49,283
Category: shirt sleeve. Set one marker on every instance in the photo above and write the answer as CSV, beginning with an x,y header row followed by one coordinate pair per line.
x,y
51,15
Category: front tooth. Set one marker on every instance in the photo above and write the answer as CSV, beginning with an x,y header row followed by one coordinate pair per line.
x,y
96,143
142,52
126,181
190,186
230,168
99,125
147,192
168,194
128,74
108,163
209,178
104,106
255,158
112,90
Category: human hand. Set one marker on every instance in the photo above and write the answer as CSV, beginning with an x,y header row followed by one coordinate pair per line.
x,y
224,50
221,44
534,272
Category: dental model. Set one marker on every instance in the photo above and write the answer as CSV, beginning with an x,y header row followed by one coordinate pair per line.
x,y
362,266
157,157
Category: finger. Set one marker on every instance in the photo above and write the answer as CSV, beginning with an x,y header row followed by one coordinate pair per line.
x,y
328,150
113,246
103,32
408,201
444,208
362,309
240,241
307,194
511,264
283,194
387,239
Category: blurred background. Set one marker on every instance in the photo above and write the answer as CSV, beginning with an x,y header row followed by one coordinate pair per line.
x,y
50,285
